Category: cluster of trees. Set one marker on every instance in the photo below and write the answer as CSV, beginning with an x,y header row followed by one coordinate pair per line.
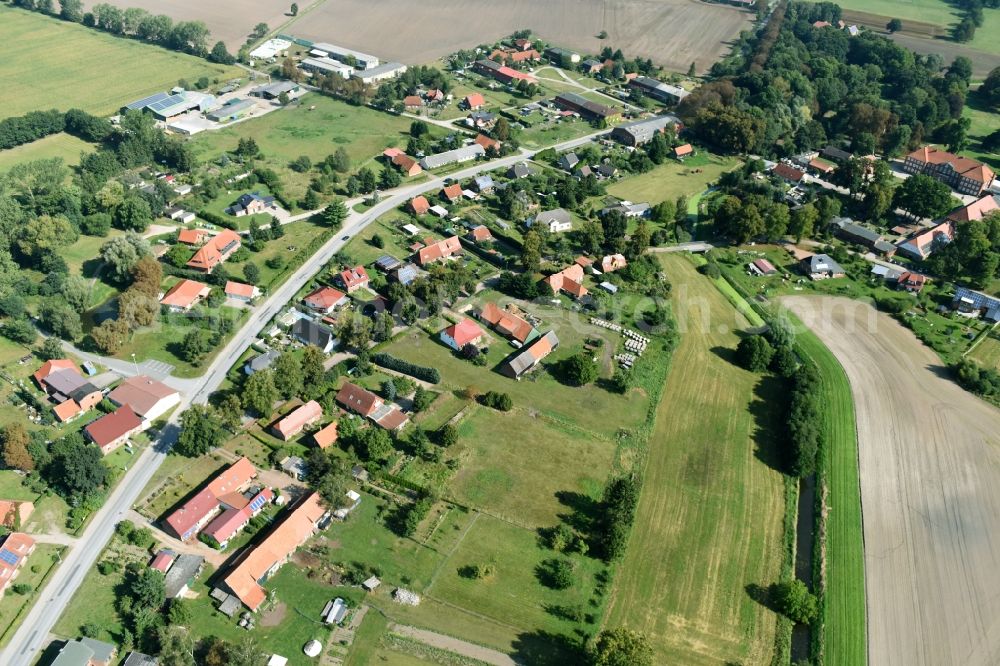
x,y
973,255
390,94
972,18
499,401
72,467
621,497
804,421
976,378
807,86
748,207
136,23
30,127
128,257
291,375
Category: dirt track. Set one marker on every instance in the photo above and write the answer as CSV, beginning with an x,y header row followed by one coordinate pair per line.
x,y
930,488
671,32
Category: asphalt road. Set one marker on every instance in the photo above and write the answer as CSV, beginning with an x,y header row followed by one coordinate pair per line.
x,y
33,634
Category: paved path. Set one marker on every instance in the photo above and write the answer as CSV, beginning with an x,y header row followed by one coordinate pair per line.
x,y
455,645
694,246
55,538
33,633
211,555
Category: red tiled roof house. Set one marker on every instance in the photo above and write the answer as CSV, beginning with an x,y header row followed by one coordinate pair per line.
x,y
14,550
215,251
325,299
112,430
465,332
294,422
354,279
227,485
257,565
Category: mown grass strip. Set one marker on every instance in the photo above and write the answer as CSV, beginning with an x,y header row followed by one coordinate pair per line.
x,y
844,635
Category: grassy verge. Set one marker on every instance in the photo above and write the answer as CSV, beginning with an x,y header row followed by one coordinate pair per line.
x,y
843,637
838,569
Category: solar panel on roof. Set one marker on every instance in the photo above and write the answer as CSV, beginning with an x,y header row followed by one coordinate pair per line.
x,y
257,503
8,557
166,102
146,101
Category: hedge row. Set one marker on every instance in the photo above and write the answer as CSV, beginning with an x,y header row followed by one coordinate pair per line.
x,y
399,365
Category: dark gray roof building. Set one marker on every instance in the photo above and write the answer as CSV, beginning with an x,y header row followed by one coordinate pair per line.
x,y
309,332
639,132
181,573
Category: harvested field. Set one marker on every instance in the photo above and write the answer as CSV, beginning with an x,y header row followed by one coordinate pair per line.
x,y
982,62
710,518
930,465
674,33
231,22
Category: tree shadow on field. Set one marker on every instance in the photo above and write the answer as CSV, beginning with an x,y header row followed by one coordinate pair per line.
x,y
543,648
768,409
725,353
762,595
584,510
942,371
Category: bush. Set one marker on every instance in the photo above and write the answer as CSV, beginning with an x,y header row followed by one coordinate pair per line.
x,y
711,270
426,374
578,370
21,588
415,514
422,399
556,573
501,402
447,435
754,353
794,601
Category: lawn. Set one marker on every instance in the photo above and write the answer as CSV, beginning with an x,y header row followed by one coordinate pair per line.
x,y
521,479
987,352
34,572
554,131
12,487
296,130
984,122
935,12
844,631
590,409
61,145
673,179
400,561
711,512
63,65
514,595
